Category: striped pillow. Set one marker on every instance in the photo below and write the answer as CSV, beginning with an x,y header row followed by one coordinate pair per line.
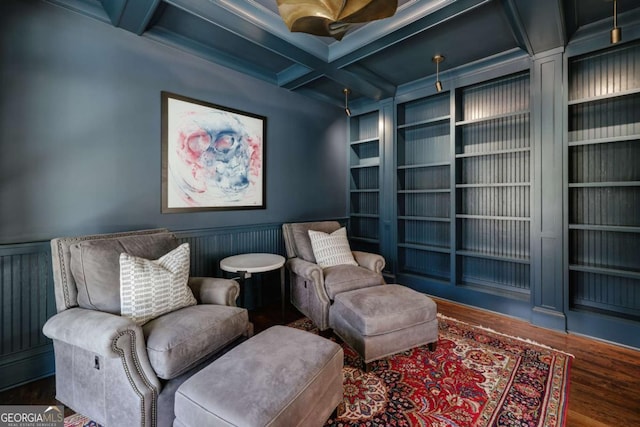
x,y
331,249
149,289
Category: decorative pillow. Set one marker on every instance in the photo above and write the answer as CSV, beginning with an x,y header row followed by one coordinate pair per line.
x,y
331,249
149,289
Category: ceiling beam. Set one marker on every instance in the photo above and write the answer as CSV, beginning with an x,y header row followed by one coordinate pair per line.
x,y
517,29
220,16
131,15
388,90
538,24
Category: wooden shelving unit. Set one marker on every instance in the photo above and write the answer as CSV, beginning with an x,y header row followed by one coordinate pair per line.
x,y
493,186
423,187
604,182
365,177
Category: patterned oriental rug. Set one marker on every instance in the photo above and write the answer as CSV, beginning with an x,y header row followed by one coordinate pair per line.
x,y
475,377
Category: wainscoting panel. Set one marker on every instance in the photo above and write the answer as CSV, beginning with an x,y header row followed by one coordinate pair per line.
x,y
27,297
209,246
27,301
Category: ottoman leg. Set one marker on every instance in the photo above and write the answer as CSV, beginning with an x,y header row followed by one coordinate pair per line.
x,y
433,346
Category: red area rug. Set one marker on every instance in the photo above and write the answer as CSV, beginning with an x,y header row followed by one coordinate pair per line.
x,y
475,377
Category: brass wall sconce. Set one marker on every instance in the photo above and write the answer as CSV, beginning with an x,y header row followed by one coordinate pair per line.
x,y
346,102
438,59
616,32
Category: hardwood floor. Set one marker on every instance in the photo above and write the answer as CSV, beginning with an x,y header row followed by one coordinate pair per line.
x,y
605,378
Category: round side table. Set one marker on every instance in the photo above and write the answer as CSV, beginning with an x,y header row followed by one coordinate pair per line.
x,y
247,264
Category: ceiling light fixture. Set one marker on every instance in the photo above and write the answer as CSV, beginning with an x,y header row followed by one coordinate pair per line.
x,y
438,59
346,101
616,32
332,18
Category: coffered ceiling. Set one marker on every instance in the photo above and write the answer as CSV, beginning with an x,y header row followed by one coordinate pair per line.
x,y
372,60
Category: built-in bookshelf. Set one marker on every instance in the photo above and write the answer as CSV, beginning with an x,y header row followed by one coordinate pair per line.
x,y
364,189
424,187
604,181
493,186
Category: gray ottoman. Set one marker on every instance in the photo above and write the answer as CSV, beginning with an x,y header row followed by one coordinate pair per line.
x,y
280,377
382,320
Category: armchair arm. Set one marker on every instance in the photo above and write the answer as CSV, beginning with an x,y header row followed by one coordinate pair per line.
x,y
211,290
373,262
307,270
94,348
108,335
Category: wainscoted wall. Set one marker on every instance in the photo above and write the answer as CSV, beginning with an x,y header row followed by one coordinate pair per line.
x,y
27,299
26,302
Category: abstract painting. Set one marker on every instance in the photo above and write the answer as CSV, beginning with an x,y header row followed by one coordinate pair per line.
x,y
213,157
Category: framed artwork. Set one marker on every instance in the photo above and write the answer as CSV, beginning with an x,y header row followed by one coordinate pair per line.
x,y
213,157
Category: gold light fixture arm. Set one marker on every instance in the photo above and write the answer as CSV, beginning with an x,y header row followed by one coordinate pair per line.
x,y
616,32
347,110
438,59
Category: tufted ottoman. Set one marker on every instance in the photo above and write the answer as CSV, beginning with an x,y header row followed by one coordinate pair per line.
x,y
280,377
382,320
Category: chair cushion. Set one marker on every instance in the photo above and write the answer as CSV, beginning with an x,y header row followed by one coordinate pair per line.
x,y
151,288
384,309
180,339
95,265
343,278
301,238
331,249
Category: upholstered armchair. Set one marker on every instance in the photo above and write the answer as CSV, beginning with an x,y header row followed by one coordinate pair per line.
x,y
313,288
112,368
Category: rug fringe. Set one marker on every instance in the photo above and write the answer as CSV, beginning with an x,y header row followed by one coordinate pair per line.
x,y
493,331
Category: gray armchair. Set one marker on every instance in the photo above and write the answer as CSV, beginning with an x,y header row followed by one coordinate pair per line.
x,y
313,288
108,367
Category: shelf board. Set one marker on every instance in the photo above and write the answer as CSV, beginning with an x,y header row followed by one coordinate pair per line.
x,y
613,228
424,218
605,96
423,165
495,184
365,140
605,140
604,184
494,117
429,248
425,122
435,190
365,190
605,271
493,257
370,165
494,217
494,153
363,215
494,287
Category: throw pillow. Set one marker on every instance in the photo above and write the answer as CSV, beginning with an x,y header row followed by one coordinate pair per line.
x,y
331,249
151,288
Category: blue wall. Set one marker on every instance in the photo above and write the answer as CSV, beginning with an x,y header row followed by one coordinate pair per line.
x,y
80,131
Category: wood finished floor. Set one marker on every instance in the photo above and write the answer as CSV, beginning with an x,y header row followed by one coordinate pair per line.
x,y
605,378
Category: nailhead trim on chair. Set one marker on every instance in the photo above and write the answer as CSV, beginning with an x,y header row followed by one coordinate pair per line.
x,y
154,391
63,272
